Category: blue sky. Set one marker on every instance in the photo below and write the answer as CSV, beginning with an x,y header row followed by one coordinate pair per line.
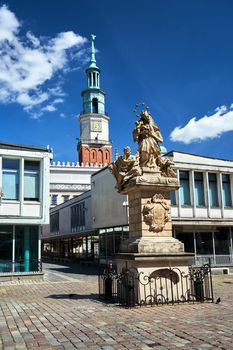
x,y
176,56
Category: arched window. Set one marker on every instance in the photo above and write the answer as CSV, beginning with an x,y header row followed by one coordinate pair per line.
x,y
107,158
94,79
93,156
94,105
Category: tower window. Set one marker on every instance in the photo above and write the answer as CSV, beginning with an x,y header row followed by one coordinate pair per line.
x,y
89,79
94,80
94,105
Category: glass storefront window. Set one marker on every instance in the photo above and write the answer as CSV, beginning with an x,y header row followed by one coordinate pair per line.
x,y
204,243
109,242
26,248
222,241
6,237
188,239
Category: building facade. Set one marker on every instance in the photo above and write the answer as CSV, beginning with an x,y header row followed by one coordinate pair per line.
x,y
68,180
202,211
70,234
24,206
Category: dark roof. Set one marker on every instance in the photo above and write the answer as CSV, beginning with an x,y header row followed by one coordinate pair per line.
x,y
16,146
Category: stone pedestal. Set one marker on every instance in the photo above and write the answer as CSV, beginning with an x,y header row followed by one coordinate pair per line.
x,y
155,278
147,179
151,252
150,225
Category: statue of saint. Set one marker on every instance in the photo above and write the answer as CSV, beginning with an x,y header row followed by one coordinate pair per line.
x,y
147,158
125,168
148,136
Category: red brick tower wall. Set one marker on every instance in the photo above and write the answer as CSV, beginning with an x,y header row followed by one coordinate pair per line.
x,y
101,155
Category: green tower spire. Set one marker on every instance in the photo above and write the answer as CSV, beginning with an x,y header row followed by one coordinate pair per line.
x,y
92,60
93,95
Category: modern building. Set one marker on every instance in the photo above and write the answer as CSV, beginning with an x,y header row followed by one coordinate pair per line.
x,y
202,211
70,179
70,234
24,206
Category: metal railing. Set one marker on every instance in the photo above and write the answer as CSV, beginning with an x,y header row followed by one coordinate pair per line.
x,y
163,286
214,259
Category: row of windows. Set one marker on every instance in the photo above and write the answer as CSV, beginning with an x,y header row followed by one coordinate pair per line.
x,y
199,190
54,222
207,243
77,218
11,177
65,197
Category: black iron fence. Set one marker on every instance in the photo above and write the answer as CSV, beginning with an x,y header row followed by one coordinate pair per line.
x,y
21,265
163,286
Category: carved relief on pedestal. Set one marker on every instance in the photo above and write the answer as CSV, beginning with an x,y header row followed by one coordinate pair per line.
x,y
156,213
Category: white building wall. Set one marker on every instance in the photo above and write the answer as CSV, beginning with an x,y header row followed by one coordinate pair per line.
x,y
65,217
192,164
70,179
21,211
108,206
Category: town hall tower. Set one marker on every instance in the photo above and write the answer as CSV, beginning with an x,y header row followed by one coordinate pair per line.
x,y
94,145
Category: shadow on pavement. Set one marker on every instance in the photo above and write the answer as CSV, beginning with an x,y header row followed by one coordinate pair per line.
x,y
71,268
74,296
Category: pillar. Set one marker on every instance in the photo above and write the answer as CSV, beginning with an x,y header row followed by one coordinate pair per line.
x,y
192,191
26,249
13,250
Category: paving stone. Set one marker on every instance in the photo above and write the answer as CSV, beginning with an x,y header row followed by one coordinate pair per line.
x,y
41,316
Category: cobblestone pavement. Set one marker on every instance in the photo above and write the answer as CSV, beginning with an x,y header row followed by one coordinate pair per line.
x,y
43,315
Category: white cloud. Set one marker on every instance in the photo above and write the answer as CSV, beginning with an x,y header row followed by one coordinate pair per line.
x,y
25,100
32,39
58,100
207,127
49,108
62,115
27,64
8,23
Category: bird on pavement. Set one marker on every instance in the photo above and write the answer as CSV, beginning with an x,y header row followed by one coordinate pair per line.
x,y
218,301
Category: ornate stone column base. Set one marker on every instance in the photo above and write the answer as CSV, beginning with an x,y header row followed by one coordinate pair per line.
x,y
152,245
153,261
155,278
